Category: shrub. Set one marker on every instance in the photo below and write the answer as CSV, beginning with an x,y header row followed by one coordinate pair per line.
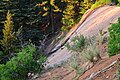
x,y
20,65
77,44
101,37
74,64
88,54
114,40
91,52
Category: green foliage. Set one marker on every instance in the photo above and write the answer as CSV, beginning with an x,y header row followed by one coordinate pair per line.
x,y
74,64
1,53
100,3
77,44
101,37
8,35
118,72
114,41
73,12
48,9
26,15
86,4
25,12
32,34
118,2
19,66
55,78
91,52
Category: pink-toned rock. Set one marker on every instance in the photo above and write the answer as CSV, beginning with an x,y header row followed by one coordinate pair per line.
x,y
91,23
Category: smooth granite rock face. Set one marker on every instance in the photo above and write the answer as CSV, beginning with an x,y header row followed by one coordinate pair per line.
x,y
99,19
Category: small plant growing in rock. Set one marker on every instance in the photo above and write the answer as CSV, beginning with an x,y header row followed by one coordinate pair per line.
x,y
74,64
101,37
91,52
77,44
119,74
55,78
118,71
89,55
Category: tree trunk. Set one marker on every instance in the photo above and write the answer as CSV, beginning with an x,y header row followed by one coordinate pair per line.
x,y
51,19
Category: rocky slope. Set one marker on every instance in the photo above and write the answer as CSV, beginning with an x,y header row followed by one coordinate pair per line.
x,y
90,24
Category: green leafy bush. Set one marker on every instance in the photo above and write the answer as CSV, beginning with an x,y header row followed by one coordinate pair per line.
x,y
77,44
20,65
114,41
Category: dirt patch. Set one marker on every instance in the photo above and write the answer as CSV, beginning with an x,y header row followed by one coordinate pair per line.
x,y
98,66
58,73
65,73
110,74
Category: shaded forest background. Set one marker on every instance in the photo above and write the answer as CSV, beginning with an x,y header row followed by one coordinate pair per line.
x,y
39,21
37,18
43,18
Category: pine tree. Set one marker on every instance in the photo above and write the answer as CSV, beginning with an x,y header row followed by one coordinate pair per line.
x,y
71,14
48,8
74,11
68,15
86,4
8,35
26,15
